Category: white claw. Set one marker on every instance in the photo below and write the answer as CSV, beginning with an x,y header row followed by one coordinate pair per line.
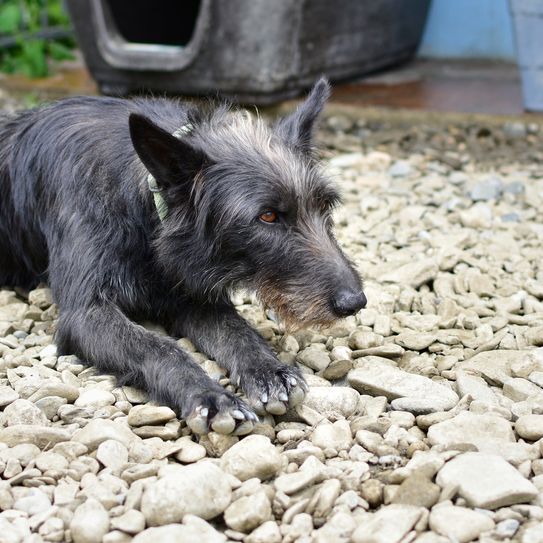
x,y
264,398
293,382
237,414
283,397
204,412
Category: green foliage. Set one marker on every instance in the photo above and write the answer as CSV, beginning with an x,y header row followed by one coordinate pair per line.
x,y
22,20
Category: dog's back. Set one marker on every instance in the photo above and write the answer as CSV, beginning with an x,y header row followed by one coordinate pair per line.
x,y
56,160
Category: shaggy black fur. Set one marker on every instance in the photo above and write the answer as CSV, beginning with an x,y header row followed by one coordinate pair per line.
x,y
76,212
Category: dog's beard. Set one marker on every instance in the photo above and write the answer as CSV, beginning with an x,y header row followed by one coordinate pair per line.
x,y
295,311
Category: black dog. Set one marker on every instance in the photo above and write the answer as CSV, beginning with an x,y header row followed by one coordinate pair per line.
x,y
152,209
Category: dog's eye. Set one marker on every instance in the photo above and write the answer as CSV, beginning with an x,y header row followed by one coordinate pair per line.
x,y
269,216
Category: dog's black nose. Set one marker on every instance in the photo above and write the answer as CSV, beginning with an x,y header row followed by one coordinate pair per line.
x,y
348,302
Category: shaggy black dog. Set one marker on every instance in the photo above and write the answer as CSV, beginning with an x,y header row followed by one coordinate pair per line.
x,y
151,209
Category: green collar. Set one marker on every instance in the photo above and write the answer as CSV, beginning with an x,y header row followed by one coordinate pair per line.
x,y
160,204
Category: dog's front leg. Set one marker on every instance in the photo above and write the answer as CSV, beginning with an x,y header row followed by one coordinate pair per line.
x,y
103,335
222,334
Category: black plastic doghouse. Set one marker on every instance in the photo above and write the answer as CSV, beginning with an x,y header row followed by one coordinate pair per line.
x,y
257,51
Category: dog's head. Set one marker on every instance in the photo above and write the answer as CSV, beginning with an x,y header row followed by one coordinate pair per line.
x,y
248,205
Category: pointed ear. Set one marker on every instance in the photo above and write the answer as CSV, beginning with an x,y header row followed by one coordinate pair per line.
x,y
170,160
297,129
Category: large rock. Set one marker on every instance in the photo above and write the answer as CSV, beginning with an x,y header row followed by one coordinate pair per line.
x,y
7,395
389,525
407,391
475,386
90,522
193,530
249,512
253,456
486,480
36,501
333,402
55,388
268,532
418,490
99,430
494,366
143,415
40,436
479,430
95,398
530,427
459,523
201,489
24,412
336,436
413,274
314,358
13,312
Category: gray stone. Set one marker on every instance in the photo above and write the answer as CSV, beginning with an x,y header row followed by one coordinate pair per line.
x,y
310,472
487,189
190,452
424,395
131,522
145,415
40,436
248,512
90,522
389,525
487,481
415,341
55,388
533,534
417,490
167,500
40,297
494,366
468,427
336,436
475,386
518,389
24,412
7,395
193,530
100,430
413,274
515,130
253,456
112,454
400,168
530,427
95,398
51,461
36,501
333,401
268,532
314,358
459,523
507,528
50,405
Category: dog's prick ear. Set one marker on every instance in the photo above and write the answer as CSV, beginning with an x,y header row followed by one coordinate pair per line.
x,y
170,160
297,129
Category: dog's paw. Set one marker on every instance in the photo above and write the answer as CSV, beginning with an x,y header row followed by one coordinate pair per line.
x,y
222,412
273,388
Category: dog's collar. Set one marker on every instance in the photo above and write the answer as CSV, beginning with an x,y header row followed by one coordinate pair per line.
x,y
160,204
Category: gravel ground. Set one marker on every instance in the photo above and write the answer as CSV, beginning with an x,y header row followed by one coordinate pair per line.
x,y
424,420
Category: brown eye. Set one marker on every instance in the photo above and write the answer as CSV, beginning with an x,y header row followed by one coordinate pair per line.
x,y
269,216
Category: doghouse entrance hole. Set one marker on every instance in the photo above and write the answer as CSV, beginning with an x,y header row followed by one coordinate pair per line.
x,y
160,22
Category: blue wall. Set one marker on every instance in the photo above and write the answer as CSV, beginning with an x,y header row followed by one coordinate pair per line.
x,y
468,29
